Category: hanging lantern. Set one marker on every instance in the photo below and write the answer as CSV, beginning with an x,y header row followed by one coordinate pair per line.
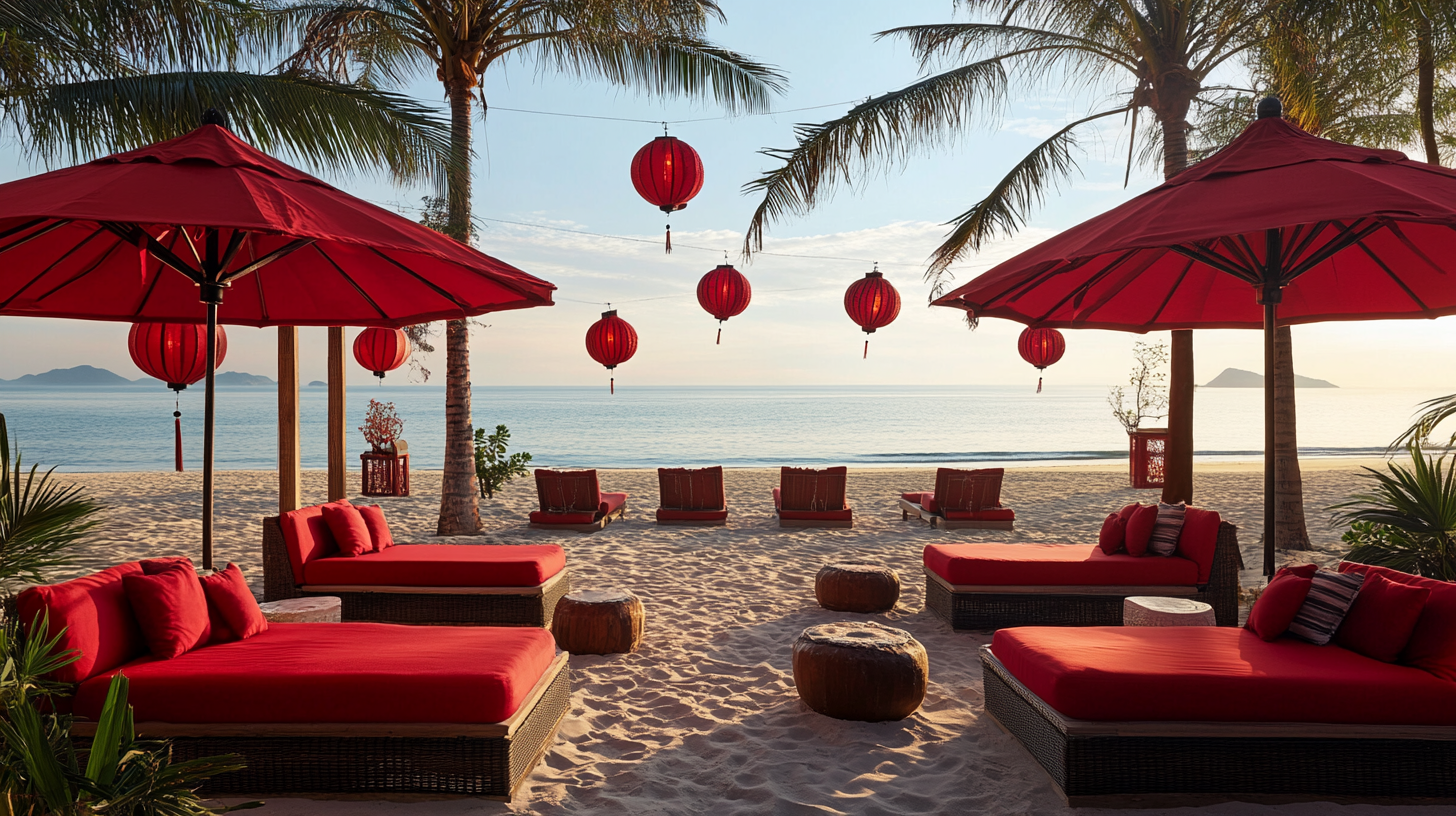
x,y
381,350
872,303
668,174
611,341
1041,348
723,293
176,354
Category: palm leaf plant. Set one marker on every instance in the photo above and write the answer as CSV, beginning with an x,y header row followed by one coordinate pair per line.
x,y
41,519
655,46
1408,519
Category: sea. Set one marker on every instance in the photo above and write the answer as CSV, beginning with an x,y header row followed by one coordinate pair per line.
x,y
129,428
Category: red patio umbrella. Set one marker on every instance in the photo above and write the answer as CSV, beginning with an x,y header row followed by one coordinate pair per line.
x,y
205,228
1278,227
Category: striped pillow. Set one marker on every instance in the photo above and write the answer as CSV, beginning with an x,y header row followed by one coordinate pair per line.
x,y
1165,531
1329,598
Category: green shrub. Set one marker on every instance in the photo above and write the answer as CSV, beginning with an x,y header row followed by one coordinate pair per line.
x,y
40,519
493,469
1408,520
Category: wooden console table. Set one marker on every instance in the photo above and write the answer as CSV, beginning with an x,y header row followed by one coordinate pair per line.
x,y
385,474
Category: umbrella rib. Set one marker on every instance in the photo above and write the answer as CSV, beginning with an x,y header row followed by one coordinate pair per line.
x,y
262,301
34,235
143,239
235,242
1087,285
1347,237
346,277
280,252
1214,260
441,292
1394,277
1296,251
1244,254
92,268
153,286
1172,290
46,271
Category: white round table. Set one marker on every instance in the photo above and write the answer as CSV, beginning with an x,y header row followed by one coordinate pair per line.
x,y
313,609
1153,610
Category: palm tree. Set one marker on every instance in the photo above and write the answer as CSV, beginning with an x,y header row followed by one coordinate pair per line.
x,y
657,46
1153,56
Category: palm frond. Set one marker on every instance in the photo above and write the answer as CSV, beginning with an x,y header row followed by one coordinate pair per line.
x,y
1433,413
40,519
1408,519
933,44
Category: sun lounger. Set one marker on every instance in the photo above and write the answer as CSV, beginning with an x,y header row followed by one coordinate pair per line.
x,y
572,500
812,498
691,496
963,500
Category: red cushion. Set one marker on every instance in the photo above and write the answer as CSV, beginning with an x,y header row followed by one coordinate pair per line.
x,y
1109,539
228,594
171,609
567,491
542,517
338,673
306,536
921,498
1278,604
1382,619
611,502
152,566
96,616
989,514
664,514
1140,528
1433,643
379,533
350,532
1198,539
1217,674
1053,565
448,565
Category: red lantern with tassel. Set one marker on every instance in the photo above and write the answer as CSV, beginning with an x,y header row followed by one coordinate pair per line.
x,y
611,341
872,303
176,354
668,173
723,293
381,350
1041,348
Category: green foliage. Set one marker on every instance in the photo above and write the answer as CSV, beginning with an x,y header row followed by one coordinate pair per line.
x,y
1149,387
493,469
1434,412
1408,519
40,519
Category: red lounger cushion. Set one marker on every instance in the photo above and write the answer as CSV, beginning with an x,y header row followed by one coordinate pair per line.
x,y
1053,565
171,609
347,526
1215,674
997,514
339,673
1278,604
306,536
235,609
664,514
610,503
846,514
97,618
925,500
693,489
1432,645
1140,529
442,565
379,534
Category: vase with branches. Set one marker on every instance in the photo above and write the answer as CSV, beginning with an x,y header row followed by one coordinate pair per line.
x,y
1149,387
382,426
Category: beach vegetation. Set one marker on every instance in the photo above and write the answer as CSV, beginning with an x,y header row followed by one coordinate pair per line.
x,y
493,468
1407,520
1149,384
41,519
382,425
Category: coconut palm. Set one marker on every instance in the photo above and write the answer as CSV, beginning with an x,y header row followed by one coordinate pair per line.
x,y
657,46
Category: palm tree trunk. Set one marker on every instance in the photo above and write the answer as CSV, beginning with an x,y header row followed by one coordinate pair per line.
x,y
459,499
1178,476
1426,86
1290,532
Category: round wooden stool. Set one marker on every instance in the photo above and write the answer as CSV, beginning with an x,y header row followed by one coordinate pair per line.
x,y
1153,610
313,609
598,621
860,671
857,588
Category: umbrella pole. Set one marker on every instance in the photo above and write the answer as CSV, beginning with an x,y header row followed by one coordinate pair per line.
x,y
1270,295
209,414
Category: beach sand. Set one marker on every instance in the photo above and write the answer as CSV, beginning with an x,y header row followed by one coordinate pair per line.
x,y
704,717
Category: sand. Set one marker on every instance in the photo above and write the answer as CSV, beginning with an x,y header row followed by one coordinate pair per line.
x,y
704,717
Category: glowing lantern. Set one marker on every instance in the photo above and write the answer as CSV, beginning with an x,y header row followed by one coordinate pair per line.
x,y
611,341
1041,348
668,174
176,354
381,350
872,303
723,293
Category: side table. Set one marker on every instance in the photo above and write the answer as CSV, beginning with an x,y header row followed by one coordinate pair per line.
x,y
385,474
1152,610
313,609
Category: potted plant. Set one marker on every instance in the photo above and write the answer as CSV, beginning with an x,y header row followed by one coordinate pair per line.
x,y
382,426
1148,380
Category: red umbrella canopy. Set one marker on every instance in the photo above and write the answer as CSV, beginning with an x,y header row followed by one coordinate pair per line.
x,y
282,247
1356,234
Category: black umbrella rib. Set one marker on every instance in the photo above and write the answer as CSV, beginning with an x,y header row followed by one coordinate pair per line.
x,y
143,240
151,287
417,276
83,273
1238,246
1172,290
262,301
1394,277
34,235
235,242
1086,286
1348,236
280,252
345,275
1214,260
1111,292
1309,238
47,270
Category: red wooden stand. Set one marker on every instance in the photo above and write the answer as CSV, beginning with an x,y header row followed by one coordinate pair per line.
x,y
385,474
1148,457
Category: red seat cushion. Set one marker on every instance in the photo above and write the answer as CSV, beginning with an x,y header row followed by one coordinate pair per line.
x,y
1432,645
96,616
442,565
1109,538
847,514
921,498
1215,674
543,517
1140,529
339,673
347,526
1382,619
228,595
1053,565
171,609
806,490
611,503
988,514
379,533
664,514
1278,604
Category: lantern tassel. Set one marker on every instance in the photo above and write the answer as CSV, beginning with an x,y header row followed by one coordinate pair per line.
x,y
867,349
177,428
719,342
669,239
1038,385
612,384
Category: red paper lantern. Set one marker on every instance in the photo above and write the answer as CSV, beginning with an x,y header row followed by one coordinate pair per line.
x,y
176,354
381,350
668,173
723,293
872,303
611,341
1041,348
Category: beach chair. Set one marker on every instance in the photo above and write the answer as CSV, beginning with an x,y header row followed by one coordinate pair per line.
x,y
812,498
572,500
963,499
692,497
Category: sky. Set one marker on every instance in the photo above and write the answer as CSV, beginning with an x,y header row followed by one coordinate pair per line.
x,y
573,174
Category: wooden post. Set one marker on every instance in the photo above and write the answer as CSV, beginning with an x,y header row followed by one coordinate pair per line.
x,y
289,465
338,473
1178,476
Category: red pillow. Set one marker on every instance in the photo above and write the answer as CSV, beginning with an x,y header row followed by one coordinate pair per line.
x,y
1383,618
348,528
171,609
1278,604
378,530
1140,528
152,566
1114,529
228,596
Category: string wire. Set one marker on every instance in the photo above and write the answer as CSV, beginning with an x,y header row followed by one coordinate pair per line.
x,y
720,118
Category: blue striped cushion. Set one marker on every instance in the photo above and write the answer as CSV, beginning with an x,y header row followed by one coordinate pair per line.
x,y
1329,598
1164,540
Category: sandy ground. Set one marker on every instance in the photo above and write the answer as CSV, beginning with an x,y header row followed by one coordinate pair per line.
x,y
704,717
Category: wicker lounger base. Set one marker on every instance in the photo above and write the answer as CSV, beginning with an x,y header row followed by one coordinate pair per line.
x,y
582,528
1166,770
909,508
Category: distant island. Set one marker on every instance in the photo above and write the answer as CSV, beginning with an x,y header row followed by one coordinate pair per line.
x,y
91,376
1239,378
239,378
318,384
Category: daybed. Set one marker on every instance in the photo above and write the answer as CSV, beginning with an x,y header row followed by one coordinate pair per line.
x,y
962,500
692,497
460,584
316,708
1190,715
812,498
572,500
988,586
